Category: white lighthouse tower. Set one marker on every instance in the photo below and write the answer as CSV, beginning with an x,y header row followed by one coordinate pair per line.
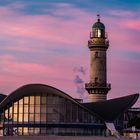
x,y
98,44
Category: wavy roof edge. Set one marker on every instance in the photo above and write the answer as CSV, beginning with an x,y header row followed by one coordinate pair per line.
x,y
107,110
2,97
111,109
30,88
35,88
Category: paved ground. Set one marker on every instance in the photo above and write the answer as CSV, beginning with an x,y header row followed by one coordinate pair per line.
x,y
58,138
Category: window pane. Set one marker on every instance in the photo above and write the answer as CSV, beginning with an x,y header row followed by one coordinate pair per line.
x,y
37,117
20,108
31,130
20,117
43,108
43,130
25,108
31,109
21,101
37,100
31,117
25,130
43,99
49,109
37,109
49,100
43,117
10,113
25,117
15,107
15,118
19,130
26,100
36,131
31,99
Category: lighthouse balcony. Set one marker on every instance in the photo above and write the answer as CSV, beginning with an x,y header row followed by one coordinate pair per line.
x,y
98,85
96,42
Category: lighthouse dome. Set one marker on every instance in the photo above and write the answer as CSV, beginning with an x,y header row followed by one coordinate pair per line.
x,y
98,25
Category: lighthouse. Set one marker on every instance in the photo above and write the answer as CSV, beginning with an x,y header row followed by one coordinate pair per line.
x,y
98,44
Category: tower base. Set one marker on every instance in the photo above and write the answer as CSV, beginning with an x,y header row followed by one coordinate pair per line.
x,y
96,97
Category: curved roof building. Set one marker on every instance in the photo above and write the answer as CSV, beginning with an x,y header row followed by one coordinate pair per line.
x,y
38,109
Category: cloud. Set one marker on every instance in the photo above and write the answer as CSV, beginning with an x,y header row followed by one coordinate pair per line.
x,y
45,47
80,69
121,13
78,80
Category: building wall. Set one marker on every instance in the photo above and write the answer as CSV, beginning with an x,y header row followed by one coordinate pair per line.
x,y
98,66
42,114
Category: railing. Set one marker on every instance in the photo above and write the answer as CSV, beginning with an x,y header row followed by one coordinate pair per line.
x,y
98,85
104,36
98,42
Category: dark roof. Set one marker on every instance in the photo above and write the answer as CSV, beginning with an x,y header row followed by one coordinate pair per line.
x,y
34,89
98,25
2,96
110,110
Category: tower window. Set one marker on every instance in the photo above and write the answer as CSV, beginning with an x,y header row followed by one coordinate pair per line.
x,y
99,33
96,54
96,79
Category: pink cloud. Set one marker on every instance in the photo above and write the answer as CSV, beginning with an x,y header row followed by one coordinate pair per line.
x,y
121,13
38,34
132,24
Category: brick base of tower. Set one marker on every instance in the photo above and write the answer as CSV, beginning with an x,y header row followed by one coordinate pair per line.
x,y
96,97
97,92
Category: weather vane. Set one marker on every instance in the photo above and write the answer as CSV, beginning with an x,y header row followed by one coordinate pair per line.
x,y
98,15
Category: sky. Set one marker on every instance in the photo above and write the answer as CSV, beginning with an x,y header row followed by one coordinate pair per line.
x,y
45,41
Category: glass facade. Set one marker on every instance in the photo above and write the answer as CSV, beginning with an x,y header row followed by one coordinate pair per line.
x,y
42,114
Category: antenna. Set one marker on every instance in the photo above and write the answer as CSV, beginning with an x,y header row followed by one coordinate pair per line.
x,y
98,15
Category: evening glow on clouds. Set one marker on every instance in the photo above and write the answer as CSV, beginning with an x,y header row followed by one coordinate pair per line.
x,y
46,42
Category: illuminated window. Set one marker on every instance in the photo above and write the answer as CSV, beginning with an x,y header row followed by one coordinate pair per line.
x,y
31,117
31,99
20,118
21,101
25,117
37,117
10,110
15,107
99,33
26,100
25,130
15,117
25,108
19,130
37,100
20,108
31,109
37,109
